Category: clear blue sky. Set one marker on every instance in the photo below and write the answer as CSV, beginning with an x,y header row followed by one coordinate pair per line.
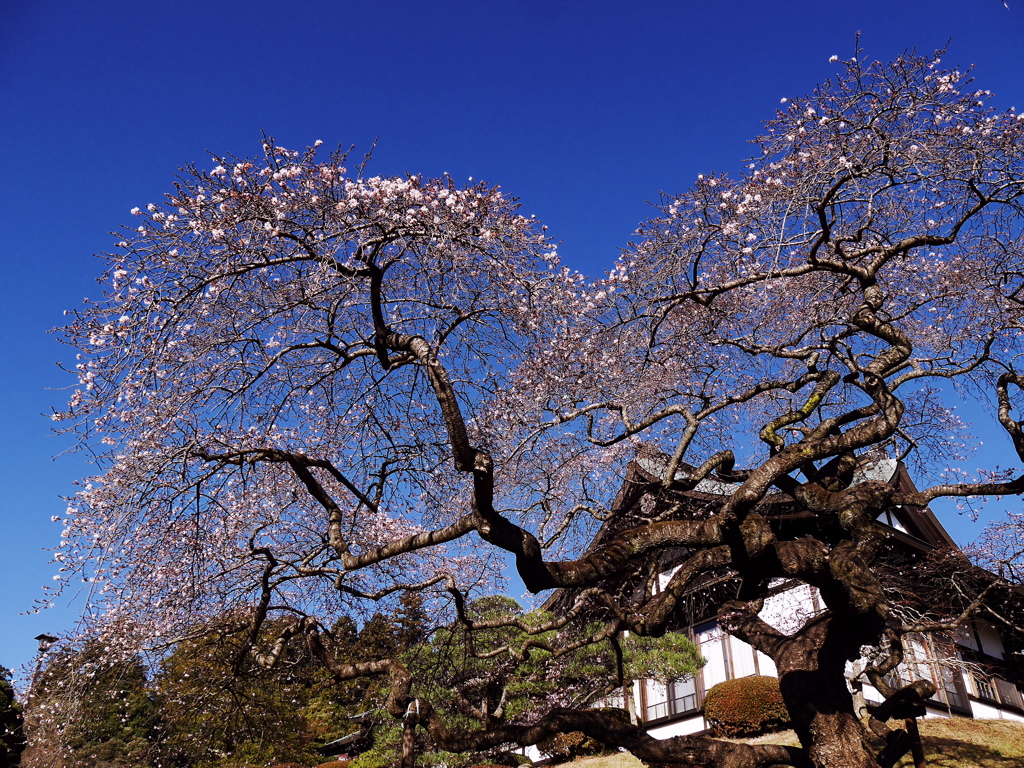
x,y
584,110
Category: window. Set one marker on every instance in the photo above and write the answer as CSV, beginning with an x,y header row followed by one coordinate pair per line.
x,y
1008,693
983,685
676,698
682,696
889,519
725,659
657,700
711,641
926,659
953,691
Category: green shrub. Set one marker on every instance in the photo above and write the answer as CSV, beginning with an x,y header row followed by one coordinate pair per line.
x,y
746,706
492,760
569,746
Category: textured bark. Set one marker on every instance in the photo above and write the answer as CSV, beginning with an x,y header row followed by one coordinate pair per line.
x,y
819,701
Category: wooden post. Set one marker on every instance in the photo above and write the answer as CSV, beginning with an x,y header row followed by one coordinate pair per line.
x,y
412,716
630,702
916,747
408,744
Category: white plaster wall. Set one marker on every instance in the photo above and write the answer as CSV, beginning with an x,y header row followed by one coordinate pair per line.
x,y
985,711
666,577
766,665
680,728
990,642
871,694
533,753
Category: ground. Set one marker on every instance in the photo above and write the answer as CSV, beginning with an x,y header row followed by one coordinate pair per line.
x,y
948,743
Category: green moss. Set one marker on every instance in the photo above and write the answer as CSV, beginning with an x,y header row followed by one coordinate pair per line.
x,y
567,746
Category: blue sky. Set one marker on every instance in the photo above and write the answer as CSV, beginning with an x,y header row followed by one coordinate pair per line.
x,y
584,110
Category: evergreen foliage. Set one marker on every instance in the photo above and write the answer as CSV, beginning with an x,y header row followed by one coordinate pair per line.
x,y
219,713
205,705
515,665
12,738
509,672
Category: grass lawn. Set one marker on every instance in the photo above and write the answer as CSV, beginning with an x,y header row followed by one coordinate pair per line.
x,y
948,743
959,742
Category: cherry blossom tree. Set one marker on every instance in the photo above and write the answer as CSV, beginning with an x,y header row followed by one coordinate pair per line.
x,y
308,388
1001,548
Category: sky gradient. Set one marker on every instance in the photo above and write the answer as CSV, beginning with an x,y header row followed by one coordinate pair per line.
x,y
584,110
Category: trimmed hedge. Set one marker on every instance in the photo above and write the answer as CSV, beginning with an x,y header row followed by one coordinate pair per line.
x,y
569,746
746,706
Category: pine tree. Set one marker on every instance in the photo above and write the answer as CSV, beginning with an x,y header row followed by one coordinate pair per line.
x,y
12,736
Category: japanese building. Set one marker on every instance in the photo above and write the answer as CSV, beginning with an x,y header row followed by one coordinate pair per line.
x,y
974,674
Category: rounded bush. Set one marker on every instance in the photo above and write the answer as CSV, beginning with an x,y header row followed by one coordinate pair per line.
x,y
746,706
